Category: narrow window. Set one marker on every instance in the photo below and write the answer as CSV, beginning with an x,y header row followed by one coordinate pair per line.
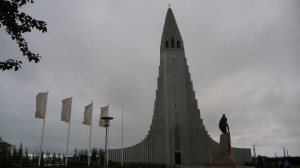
x,y
175,104
172,42
167,44
178,44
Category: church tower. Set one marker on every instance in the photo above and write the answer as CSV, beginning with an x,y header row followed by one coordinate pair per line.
x,y
177,134
186,140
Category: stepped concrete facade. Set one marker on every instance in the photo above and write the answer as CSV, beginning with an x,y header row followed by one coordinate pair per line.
x,y
177,134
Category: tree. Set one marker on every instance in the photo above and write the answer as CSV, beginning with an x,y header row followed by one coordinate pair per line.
x,y
54,158
75,154
86,154
35,158
94,154
48,157
16,23
42,157
26,160
101,155
80,153
5,157
20,154
15,154
59,160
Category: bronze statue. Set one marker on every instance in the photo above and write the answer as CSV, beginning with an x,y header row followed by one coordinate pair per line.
x,y
223,124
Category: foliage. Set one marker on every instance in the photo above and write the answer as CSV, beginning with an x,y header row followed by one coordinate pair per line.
x,y
59,160
80,157
75,154
54,158
101,153
15,154
20,154
42,158
26,160
16,23
35,158
47,160
94,154
5,157
273,161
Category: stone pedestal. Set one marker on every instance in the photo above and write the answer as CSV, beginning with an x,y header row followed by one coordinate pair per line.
x,y
222,157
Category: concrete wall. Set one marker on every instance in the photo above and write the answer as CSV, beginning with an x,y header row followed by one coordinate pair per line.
x,y
175,107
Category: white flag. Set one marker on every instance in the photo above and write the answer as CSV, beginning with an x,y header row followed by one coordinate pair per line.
x,y
88,114
104,113
41,103
66,109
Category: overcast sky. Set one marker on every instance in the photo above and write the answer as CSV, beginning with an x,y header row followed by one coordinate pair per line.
x,y
243,57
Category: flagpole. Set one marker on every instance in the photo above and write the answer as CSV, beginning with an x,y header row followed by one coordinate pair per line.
x,y
105,117
41,143
107,146
122,140
90,144
43,132
105,163
68,133
107,140
67,146
90,136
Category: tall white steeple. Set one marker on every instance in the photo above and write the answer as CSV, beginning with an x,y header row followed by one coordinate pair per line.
x,y
171,37
177,134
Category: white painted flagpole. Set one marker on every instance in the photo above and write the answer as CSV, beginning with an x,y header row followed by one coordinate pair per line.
x,y
43,131
122,141
41,143
69,133
67,145
107,141
107,134
107,146
90,136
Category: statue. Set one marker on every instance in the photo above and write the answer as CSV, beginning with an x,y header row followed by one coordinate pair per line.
x,y
223,124
222,156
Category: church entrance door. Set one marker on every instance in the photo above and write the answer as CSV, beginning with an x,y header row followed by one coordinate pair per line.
x,y
177,158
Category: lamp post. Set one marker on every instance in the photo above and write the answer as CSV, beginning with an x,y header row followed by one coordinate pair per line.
x,y
106,124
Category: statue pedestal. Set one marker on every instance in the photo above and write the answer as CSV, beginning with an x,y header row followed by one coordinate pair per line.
x,y
222,157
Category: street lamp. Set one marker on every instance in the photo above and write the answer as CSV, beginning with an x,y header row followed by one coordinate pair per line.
x,y
106,124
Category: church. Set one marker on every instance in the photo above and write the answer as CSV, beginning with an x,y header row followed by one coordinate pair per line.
x,y
177,134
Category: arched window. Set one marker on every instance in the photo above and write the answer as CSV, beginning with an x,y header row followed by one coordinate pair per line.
x,y
172,42
178,44
177,138
167,44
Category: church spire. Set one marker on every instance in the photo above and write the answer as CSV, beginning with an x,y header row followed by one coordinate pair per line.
x,y
171,37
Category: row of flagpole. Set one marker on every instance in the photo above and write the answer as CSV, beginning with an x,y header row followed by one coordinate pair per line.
x,y
68,133
41,105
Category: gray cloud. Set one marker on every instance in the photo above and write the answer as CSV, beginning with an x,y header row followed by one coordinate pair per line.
x,y
243,57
